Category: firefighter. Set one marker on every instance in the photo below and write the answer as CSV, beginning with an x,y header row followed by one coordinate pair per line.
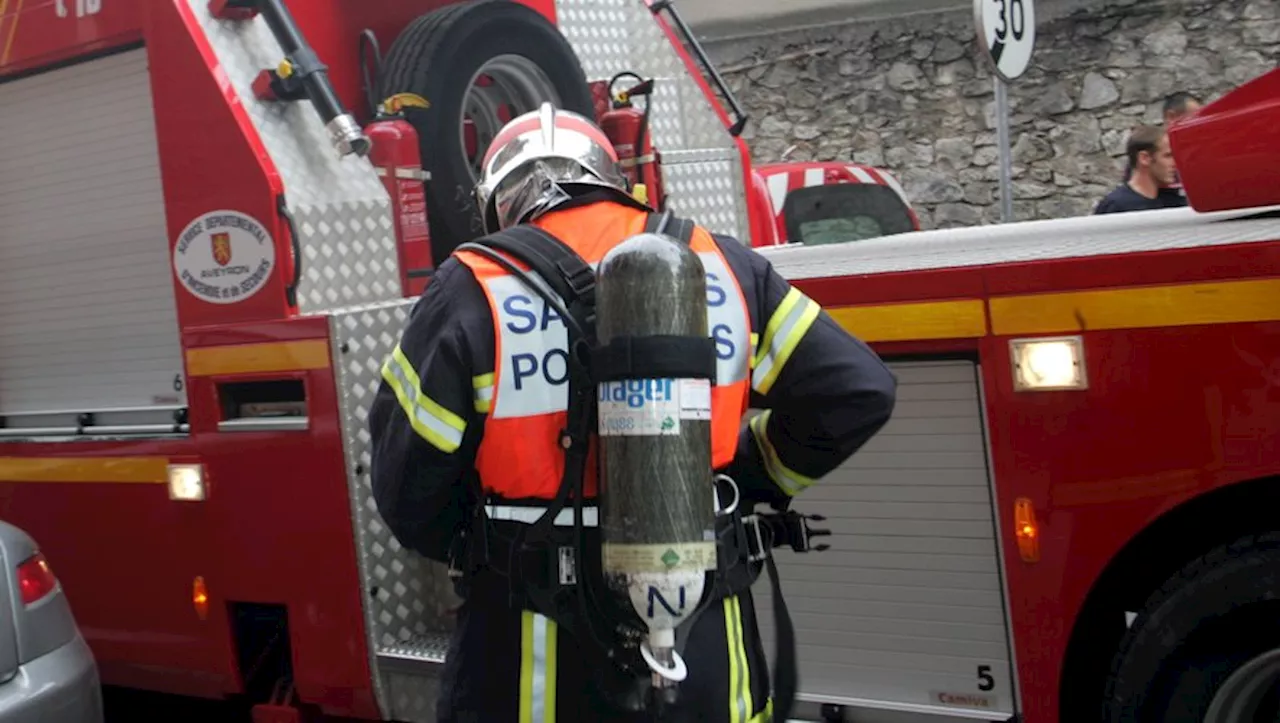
x,y
462,466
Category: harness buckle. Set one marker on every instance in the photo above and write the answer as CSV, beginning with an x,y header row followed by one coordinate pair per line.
x,y
757,548
800,535
579,276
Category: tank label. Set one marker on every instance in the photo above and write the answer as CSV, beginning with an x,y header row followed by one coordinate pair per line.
x,y
664,600
659,558
695,399
224,257
639,407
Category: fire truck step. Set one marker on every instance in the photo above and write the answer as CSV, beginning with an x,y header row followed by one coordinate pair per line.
x,y
421,650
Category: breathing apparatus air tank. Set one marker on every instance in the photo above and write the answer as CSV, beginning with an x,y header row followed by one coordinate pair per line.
x,y
654,412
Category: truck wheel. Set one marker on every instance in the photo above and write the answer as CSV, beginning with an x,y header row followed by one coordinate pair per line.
x,y
478,65
1206,647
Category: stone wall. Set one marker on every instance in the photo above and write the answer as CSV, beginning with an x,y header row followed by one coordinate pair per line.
x,y
912,94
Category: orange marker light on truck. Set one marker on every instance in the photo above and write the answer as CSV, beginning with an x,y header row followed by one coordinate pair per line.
x,y
1026,530
200,597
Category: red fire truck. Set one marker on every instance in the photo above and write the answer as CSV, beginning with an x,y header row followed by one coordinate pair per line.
x,y
1070,515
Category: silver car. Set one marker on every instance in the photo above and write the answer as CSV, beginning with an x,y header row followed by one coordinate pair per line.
x,y
47,672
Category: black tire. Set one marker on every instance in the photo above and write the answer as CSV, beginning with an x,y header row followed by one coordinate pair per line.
x,y
436,57
1204,623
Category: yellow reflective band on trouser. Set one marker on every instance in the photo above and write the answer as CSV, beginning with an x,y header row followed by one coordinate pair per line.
x,y
782,335
740,703
440,427
788,481
483,386
537,668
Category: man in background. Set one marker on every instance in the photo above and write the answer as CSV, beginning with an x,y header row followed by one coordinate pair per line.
x,y
1151,167
1176,107
1180,105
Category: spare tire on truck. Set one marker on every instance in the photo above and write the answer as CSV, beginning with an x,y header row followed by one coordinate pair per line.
x,y
478,65
1206,646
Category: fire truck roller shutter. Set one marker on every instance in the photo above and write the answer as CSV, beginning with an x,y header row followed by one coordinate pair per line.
x,y
906,610
88,320
486,62
1206,646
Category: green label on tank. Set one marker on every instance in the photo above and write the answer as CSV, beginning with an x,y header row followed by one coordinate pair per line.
x,y
659,558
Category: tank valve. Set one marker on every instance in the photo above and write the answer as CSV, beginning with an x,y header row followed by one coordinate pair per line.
x,y
659,652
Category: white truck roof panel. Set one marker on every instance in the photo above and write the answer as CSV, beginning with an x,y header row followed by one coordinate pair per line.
x,y
1029,241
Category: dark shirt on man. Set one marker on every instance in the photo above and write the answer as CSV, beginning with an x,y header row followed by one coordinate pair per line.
x,y
1124,199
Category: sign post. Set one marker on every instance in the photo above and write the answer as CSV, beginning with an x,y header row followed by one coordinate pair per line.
x,y
1007,34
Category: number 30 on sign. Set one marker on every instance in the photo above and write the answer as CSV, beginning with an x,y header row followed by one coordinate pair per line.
x,y
1007,31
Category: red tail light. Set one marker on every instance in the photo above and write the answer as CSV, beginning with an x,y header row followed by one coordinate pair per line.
x,y
35,579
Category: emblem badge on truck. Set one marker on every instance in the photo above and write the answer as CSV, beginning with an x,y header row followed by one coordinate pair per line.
x,y
221,248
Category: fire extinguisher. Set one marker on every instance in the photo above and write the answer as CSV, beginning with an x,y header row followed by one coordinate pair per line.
x,y
398,161
628,130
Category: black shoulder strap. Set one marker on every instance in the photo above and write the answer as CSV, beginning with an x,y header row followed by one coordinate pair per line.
x,y
571,279
673,226
555,262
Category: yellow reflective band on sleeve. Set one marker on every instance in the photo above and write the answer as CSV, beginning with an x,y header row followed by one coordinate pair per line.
x,y
537,668
792,483
442,428
740,703
788,325
766,715
483,386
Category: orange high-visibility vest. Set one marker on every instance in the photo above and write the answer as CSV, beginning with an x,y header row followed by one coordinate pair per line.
x,y
519,455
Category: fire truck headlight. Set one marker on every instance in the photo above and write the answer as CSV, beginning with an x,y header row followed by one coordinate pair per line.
x,y
1048,364
186,482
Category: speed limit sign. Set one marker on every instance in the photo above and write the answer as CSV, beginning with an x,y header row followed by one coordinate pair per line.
x,y
1007,31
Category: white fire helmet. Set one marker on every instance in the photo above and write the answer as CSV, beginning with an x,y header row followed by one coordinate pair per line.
x,y
537,159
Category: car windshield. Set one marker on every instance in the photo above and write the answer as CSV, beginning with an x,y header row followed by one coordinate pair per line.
x,y
838,213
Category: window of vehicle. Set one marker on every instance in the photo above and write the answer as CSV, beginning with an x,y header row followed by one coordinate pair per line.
x,y
819,215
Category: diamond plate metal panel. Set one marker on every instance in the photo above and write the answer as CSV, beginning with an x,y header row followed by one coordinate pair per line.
x,y
708,192
341,208
408,597
412,673
413,697
611,36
